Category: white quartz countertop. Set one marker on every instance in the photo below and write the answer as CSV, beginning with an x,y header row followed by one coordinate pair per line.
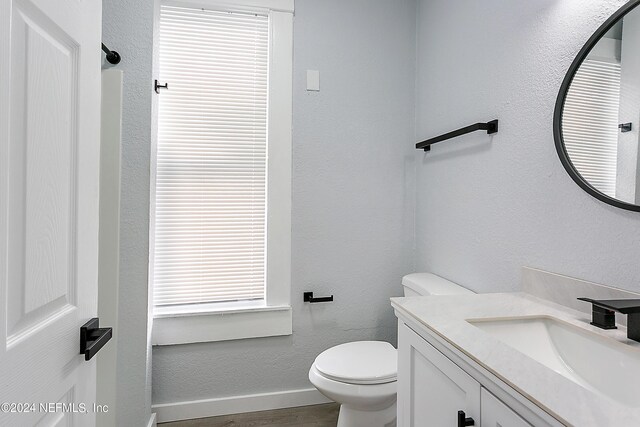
x,y
567,401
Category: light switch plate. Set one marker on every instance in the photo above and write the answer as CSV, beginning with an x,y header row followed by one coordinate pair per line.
x,y
313,80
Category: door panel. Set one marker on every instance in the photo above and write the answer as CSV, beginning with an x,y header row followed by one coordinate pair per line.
x,y
497,414
42,172
432,389
49,165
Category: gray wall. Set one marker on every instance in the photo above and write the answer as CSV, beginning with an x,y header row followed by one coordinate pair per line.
x,y
352,202
484,208
128,28
487,208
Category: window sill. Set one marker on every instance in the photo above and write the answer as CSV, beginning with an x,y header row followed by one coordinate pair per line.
x,y
233,322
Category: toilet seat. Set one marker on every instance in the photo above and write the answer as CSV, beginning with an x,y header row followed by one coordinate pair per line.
x,y
360,362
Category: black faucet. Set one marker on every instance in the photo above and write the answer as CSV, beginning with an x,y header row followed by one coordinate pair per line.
x,y
603,315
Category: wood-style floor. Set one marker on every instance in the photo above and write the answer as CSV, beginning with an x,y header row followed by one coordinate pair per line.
x,y
304,416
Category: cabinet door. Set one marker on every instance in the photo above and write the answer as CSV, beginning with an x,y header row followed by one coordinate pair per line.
x,y
431,388
497,414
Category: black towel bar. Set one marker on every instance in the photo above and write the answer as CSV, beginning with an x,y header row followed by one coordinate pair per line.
x,y
490,127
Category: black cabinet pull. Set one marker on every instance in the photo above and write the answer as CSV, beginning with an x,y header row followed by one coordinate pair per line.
x,y
93,338
464,421
308,297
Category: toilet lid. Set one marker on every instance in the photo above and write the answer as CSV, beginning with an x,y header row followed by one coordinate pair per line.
x,y
360,362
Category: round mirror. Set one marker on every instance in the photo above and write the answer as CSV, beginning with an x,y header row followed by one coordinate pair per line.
x,y
597,115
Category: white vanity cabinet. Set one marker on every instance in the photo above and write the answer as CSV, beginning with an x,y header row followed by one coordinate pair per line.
x,y
494,413
432,389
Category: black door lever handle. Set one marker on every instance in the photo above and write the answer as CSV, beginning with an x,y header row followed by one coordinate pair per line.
x,y
93,338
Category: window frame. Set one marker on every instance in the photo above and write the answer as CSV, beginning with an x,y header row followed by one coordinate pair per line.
x,y
244,319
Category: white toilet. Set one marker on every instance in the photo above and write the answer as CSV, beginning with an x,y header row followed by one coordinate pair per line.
x,y
361,375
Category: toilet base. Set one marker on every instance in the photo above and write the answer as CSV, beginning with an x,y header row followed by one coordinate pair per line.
x,y
351,417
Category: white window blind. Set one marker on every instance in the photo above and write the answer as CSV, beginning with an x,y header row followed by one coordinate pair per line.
x,y
210,201
590,123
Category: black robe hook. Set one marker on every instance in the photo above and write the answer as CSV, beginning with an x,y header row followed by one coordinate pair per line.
x,y
113,57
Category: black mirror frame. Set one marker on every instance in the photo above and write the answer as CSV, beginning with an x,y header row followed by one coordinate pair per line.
x,y
557,114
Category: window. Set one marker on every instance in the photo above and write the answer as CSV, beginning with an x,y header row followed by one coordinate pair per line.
x,y
211,157
590,123
222,193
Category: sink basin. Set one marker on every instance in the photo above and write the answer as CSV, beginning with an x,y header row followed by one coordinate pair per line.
x,y
600,364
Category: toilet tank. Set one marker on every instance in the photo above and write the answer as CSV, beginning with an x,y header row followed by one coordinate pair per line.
x,y
417,284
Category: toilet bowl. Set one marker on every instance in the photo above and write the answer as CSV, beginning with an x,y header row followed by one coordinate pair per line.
x,y
362,375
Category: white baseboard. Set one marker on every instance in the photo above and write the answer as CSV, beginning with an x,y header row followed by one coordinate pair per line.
x,y
152,421
177,411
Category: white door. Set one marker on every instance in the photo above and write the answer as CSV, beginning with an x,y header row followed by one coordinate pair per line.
x,y
431,388
49,176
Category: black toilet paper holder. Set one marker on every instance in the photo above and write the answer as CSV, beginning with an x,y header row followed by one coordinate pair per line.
x,y
308,297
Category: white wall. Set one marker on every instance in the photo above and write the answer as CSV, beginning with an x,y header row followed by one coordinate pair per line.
x,y
352,202
128,29
486,207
